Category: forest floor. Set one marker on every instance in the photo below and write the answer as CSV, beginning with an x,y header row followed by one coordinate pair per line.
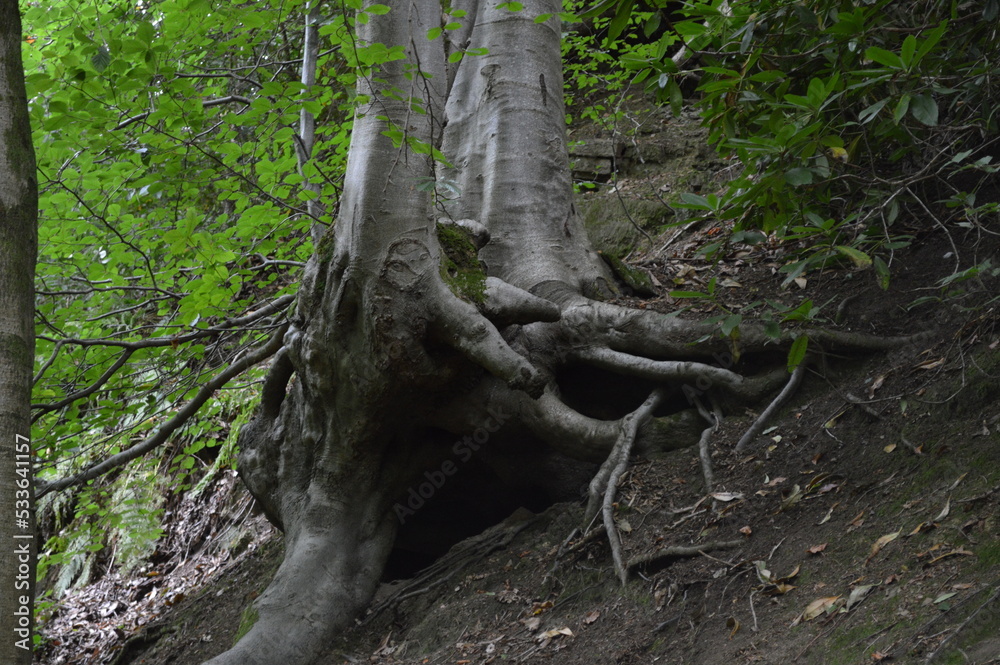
x,y
862,526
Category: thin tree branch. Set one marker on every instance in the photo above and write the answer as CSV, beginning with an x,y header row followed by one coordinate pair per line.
x,y
161,435
208,103
89,390
229,324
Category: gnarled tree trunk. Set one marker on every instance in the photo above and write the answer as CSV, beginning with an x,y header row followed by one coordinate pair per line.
x,y
396,348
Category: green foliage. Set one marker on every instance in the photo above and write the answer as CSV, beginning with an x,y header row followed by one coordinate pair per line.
x,y
173,198
600,63
853,122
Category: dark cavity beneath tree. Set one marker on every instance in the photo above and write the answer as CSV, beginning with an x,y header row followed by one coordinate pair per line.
x,y
400,344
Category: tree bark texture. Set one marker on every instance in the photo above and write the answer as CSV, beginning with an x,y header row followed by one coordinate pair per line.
x,y
18,249
391,355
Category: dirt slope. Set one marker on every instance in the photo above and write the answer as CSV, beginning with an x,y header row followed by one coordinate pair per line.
x,y
862,526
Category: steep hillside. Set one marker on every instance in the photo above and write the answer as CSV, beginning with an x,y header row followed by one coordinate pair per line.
x,y
860,526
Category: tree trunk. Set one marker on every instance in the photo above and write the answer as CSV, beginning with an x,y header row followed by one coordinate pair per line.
x,y
397,346
18,248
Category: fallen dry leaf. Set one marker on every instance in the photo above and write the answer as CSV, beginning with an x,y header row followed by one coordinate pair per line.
x,y
591,617
829,514
746,531
920,528
882,542
794,496
555,632
733,624
955,552
857,595
816,549
818,607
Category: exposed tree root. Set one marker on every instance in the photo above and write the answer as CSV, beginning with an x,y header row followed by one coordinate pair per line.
x,y
714,419
605,484
677,551
779,401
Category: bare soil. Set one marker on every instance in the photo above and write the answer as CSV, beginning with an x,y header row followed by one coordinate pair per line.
x,y
865,518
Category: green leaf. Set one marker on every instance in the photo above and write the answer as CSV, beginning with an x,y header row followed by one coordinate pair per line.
x,y
101,59
869,113
925,110
622,16
883,57
693,202
857,257
902,106
797,353
933,37
882,271
378,10
731,323
145,32
799,176
908,50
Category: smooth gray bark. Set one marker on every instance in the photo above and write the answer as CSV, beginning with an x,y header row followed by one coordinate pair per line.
x,y
384,348
18,248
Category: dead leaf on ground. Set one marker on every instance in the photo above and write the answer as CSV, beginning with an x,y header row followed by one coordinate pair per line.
x,y
930,364
944,511
876,384
818,607
733,624
538,608
794,496
858,594
746,531
882,542
920,528
555,632
828,515
816,549
955,552
591,617
532,624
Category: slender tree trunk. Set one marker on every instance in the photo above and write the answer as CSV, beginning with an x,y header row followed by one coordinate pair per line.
x,y
18,247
